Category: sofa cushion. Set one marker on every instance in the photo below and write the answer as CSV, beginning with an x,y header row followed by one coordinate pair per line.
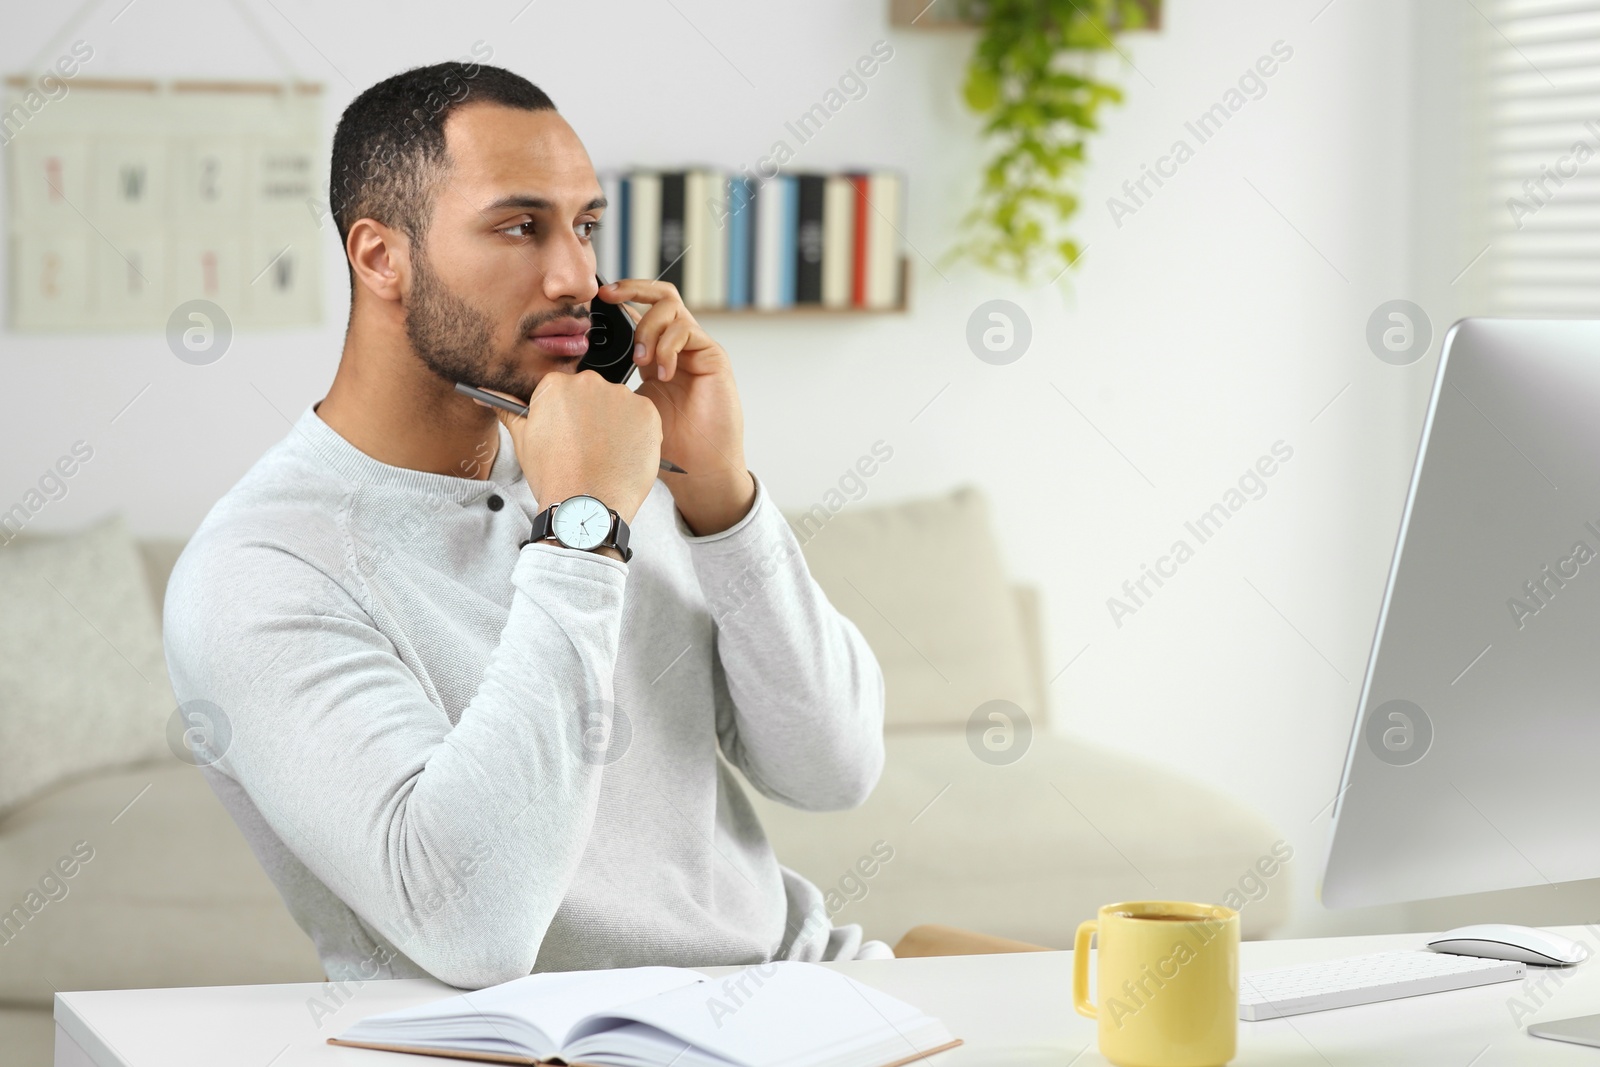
x,y
1027,850
924,583
83,683
169,894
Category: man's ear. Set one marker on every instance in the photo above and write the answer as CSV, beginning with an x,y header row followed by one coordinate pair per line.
x,y
380,256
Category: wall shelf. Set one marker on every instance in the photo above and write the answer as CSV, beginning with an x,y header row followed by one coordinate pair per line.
x,y
818,309
940,14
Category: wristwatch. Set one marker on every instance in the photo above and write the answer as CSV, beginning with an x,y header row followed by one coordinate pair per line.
x,y
581,522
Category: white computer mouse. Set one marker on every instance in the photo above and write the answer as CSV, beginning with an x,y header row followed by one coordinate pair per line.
x,y
1500,941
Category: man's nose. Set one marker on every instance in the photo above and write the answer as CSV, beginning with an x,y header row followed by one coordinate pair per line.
x,y
569,273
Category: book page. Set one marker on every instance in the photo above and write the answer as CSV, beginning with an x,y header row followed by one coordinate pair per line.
x,y
531,1014
555,1003
784,1012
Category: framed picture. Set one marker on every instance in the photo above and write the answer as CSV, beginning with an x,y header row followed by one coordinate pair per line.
x,y
129,198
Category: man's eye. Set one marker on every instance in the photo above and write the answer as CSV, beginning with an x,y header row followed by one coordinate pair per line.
x,y
521,229
588,229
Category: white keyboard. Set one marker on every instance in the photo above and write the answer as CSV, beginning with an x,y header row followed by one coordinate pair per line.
x,y
1356,980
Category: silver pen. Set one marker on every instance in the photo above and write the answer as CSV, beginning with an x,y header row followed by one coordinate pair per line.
x,y
515,408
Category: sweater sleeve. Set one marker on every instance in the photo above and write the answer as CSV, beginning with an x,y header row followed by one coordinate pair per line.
x,y
343,753
799,692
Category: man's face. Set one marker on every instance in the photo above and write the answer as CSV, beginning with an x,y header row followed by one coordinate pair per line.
x,y
501,284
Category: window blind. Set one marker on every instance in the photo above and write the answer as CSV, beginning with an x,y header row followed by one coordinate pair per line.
x,y
1540,123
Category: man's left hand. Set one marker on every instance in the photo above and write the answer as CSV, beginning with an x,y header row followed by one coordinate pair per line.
x,y
688,377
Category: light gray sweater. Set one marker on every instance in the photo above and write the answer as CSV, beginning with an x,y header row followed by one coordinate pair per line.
x,y
417,734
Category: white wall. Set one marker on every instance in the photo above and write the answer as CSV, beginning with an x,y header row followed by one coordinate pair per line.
x,y
1220,318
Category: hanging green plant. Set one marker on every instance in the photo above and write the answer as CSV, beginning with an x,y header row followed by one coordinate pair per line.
x,y
1032,76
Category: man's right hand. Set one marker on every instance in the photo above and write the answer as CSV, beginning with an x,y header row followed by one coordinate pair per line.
x,y
585,435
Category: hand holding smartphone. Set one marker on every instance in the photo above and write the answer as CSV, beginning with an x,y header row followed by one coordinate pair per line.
x,y
610,352
610,355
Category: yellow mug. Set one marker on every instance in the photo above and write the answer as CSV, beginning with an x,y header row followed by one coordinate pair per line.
x,y
1168,988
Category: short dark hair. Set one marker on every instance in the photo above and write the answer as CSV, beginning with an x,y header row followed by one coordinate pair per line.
x,y
389,150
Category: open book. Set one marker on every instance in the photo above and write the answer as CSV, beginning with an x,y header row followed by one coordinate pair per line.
x,y
779,1014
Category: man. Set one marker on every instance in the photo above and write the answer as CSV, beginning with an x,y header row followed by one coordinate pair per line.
x,y
462,753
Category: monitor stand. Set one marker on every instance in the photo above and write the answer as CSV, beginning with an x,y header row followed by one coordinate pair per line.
x,y
1582,1030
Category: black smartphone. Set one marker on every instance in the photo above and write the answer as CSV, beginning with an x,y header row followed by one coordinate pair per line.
x,y
610,352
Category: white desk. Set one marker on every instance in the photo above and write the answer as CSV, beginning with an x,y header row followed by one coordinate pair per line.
x,y
1013,1010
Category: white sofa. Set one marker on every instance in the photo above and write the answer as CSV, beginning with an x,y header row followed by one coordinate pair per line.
x,y
1030,842
1023,849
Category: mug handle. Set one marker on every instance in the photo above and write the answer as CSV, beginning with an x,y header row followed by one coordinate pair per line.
x,y
1080,969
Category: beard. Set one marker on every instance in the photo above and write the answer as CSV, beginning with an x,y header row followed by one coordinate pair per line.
x,y
456,340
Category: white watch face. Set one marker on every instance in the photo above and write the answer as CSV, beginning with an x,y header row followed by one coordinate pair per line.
x,y
581,522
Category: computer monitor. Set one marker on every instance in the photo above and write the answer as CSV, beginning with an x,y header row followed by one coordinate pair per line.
x,y
1474,762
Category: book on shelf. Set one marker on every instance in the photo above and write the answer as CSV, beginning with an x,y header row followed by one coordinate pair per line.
x,y
789,240
607,236
644,225
808,239
880,262
737,241
671,244
741,212
838,240
779,1014
767,245
705,257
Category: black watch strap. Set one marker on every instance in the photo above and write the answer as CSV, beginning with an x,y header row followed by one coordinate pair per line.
x,y
616,537
620,535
